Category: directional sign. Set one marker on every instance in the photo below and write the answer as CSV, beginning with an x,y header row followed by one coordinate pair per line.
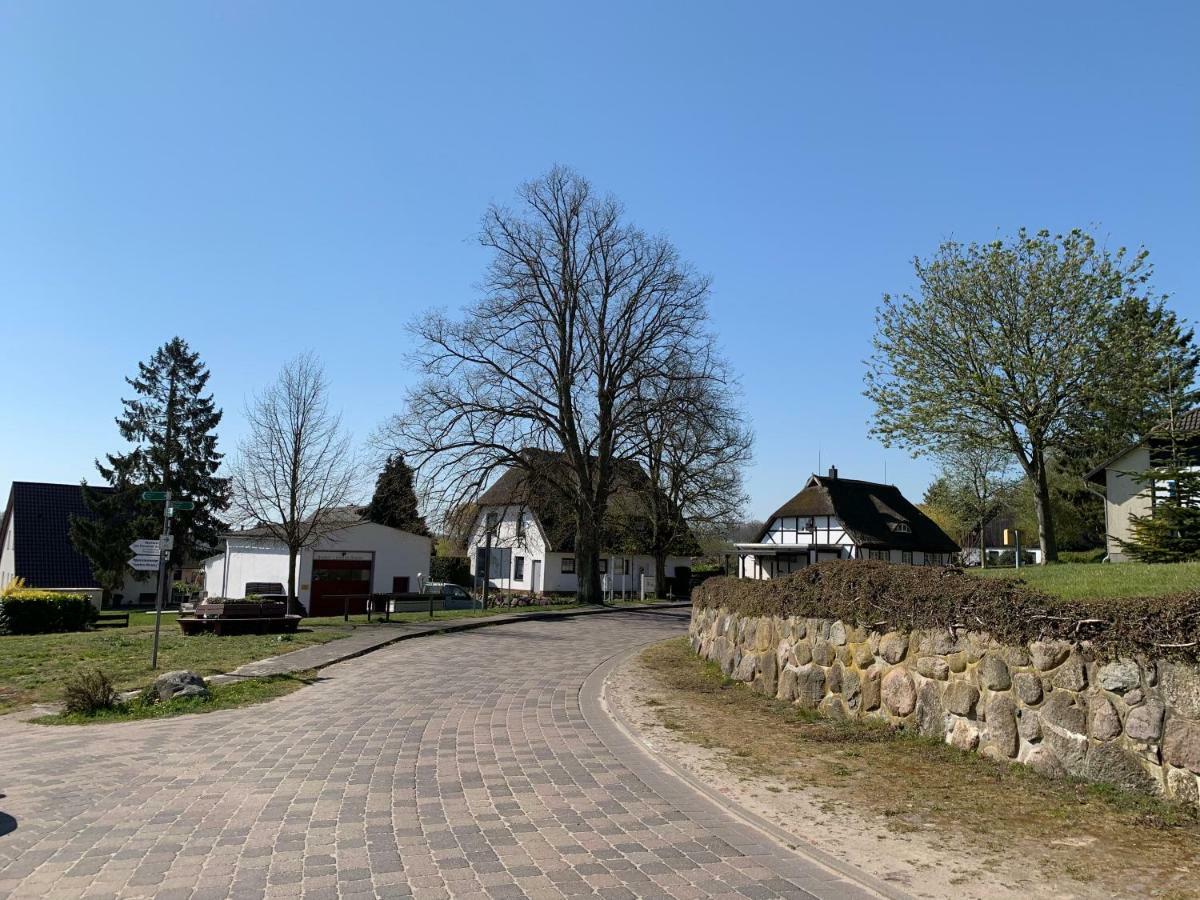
x,y
144,563
154,495
182,504
145,548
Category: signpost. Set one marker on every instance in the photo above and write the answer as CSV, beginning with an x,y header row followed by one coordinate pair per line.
x,y
1013,536
154,554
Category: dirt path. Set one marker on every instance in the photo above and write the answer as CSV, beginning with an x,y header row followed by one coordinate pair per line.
x,y
832,796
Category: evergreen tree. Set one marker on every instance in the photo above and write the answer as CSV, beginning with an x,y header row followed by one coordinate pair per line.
x,y
1170,532
103,537
172,426
395,500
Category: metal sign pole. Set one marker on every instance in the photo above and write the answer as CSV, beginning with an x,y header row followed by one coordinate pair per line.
x,y
163,554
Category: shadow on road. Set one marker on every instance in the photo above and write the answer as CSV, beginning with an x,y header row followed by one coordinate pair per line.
x,y
7,823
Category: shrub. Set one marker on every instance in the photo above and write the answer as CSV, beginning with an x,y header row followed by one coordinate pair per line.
x,y
451,569
87,692
29,611
883,596
1082,556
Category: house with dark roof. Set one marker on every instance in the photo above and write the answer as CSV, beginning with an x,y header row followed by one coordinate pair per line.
x,y
1116,478
532,533
35,543
842,518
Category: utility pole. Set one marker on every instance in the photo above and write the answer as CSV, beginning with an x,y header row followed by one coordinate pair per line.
x,y
164,556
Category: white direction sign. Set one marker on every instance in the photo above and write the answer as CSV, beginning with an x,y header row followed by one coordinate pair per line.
x,y
145,547
144,563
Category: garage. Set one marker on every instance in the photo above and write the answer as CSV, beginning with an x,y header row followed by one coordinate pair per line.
x,y
339,584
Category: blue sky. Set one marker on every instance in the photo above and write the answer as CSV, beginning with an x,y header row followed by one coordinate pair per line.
x,y
263,178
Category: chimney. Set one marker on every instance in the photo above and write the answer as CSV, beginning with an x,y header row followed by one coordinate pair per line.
x,y
833,472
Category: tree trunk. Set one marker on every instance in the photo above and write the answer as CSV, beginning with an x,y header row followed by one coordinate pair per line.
x,y
1041,502
660,575
982,547
293,604
587,562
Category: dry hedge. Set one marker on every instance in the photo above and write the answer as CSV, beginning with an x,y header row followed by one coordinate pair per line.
x,y
885,596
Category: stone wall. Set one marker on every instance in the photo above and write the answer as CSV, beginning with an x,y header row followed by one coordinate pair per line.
x,y
1050,705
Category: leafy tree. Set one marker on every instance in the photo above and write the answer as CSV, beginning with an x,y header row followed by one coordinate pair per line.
x,y
1000,350
395,500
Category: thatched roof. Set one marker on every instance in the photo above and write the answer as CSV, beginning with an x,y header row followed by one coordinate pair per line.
x,y
869,512
627,526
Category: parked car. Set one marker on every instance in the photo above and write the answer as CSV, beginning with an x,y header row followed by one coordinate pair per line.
x,y
454,596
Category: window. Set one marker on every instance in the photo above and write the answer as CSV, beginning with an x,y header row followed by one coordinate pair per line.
x,y
906,557
568,565
496,565
399,584
521,525
625,566
604,567
490,521
881,555
518,568
900,527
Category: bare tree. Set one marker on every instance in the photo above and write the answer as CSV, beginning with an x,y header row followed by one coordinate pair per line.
x,y
294,473
693,444
980,483
579,308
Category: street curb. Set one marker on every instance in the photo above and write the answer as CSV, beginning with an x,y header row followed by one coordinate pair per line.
x,y
593,698
449,627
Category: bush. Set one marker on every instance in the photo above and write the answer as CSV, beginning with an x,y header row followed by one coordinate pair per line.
x,y
1082,556
451,569
87,692
884,596
27,611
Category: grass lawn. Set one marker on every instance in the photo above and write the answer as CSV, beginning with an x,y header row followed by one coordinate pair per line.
x,y
912,784
224,696
1081,581
32,666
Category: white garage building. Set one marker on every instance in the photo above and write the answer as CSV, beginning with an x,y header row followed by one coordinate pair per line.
x,y
355,561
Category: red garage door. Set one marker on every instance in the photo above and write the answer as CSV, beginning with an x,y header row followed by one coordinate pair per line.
x,y
333,580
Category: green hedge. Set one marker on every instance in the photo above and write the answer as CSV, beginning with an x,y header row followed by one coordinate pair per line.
x,y
45,612
451,569
885,596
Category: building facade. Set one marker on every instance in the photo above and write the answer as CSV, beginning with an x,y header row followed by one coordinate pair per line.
x,y
840,518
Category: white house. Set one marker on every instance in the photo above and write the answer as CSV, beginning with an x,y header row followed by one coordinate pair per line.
x,y
841,518
1124,494
35,544
357,560
533,539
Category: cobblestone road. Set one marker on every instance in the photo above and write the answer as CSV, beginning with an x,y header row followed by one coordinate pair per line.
x,y
461,765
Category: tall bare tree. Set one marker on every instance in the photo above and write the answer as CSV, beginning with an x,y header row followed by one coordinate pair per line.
x,y
294,472
693,444
579,308
981,484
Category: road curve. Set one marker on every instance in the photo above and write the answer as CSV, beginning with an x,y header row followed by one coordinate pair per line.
x,y
461,765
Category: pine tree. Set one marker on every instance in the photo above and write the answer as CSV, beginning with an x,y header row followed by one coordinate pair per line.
x,y
1170,532
395,500
172,425
104,535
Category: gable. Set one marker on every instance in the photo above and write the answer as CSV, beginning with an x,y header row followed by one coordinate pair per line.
x,y
39,516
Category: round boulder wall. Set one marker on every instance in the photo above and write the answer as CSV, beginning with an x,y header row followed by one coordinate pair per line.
x,y
898,692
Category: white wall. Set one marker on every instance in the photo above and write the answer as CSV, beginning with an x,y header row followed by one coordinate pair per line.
x,y
8,554
788,530
1125,496
395,554
531,545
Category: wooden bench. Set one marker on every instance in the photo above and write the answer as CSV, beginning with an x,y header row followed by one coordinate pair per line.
x,y
192,625
112,620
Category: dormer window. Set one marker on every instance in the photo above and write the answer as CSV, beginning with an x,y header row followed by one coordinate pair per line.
x,y
900,527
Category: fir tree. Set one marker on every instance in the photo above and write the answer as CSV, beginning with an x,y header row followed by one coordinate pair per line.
x,y
103,537
1170,532
395,501
172,424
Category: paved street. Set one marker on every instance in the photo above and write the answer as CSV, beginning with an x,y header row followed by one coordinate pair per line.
x,y
476,764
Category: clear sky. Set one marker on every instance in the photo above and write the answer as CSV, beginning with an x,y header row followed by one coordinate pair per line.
x,y
263,178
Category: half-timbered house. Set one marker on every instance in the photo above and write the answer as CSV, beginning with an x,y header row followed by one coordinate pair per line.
x,y
842,518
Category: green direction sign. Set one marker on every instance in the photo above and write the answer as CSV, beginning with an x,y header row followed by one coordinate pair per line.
x,y
154,495
182,504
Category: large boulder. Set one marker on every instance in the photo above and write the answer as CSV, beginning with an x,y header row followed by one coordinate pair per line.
x,y
1120,677
1105,721
1002,724
181,683
961,697
1048,654
899,693
931,720
1181,744
893,646
1144,723
993,673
